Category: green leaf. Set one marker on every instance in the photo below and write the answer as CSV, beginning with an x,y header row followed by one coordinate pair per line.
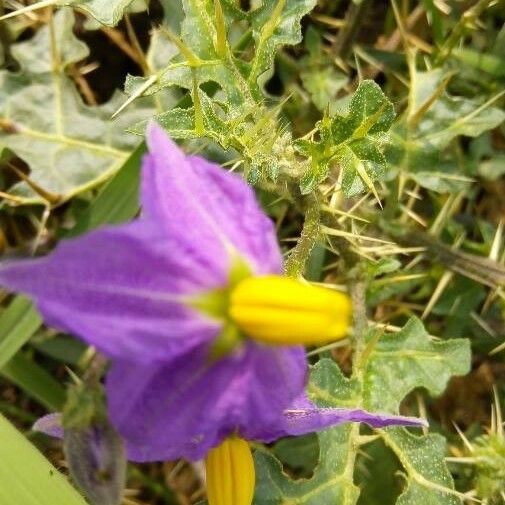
x,y
274,24
330,483
428,480
395,365
434,119
35,55
68,146
35,381
318,72
228,105
18,322
403,361
354,140
118,200
323,85
31,479
332,478
451,117
107,12
399,363
489,63
174,14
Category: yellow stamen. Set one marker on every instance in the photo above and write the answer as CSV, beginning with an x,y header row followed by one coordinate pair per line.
x,y
280,310
230,473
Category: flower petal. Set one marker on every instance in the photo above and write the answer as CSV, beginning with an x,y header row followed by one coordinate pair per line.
x,y
299,422
190,195
51,425
190,405
120,289
305,417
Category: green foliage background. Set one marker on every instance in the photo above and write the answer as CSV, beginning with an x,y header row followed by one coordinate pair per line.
x,y
380,154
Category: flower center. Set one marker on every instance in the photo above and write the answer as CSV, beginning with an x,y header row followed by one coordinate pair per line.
x,y
273,310
283,311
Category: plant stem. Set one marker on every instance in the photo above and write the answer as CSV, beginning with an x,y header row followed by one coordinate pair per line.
x,y
295,264
357,291
465,23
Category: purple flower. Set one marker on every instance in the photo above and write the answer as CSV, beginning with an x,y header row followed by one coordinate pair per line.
x,y
186,301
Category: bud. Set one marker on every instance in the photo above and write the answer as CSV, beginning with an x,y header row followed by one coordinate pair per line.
x,y
230,473
94,450
280,310
489,457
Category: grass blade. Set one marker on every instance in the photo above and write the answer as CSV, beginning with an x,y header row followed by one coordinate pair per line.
x,y
27,477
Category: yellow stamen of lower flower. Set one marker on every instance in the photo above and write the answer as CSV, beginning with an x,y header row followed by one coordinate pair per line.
x,y
230,473
284,311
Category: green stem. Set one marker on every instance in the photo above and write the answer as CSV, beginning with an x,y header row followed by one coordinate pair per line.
x,y
466,21
357,291
295,264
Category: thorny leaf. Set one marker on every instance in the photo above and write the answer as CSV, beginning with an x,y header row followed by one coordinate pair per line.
x,y
274,24
403,361
332,479
228,105
68,145
353,140
419,140
392,370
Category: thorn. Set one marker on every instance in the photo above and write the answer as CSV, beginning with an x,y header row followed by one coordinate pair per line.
x,y
75,378
197,105
344,214
483,324
437,293
467,443
221,42
51,198
465,460
498,349
416,116
497,242
192,59
339,343
136,94
416,217
12,198
498,413
366,179
29,8
342,233
443,282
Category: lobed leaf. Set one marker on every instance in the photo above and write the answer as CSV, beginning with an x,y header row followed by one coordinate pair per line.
x,y
330,483
403,361
393,369
434,119
274,24
228,105
354,140
68,146
428,480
